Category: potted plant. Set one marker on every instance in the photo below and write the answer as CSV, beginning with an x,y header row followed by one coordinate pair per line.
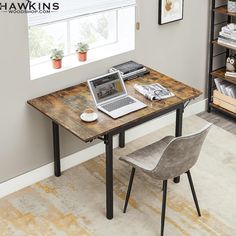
x,y
232,6
56,57
82,49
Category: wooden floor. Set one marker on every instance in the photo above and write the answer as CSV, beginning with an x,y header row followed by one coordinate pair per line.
x,y
220,120
74,204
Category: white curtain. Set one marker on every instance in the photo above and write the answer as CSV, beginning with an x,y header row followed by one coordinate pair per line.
x,y
74,8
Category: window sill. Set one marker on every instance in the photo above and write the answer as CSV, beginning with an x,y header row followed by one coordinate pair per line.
x,y
70,62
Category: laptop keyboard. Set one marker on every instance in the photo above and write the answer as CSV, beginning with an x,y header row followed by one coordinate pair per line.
x,y
118,104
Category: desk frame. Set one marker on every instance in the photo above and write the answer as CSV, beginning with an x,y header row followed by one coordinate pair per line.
x,y
108,141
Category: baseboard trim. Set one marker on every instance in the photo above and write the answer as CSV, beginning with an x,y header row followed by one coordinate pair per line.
x,y
70,161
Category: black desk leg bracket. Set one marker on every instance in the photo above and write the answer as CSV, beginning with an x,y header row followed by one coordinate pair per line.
x,y
56,148
122,139
109,175
178,129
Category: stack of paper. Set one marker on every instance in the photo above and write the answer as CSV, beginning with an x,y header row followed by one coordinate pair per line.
x,y
130,70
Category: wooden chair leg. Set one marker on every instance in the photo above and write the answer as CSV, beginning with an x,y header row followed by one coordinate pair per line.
x,y
129,189
193,192
163,211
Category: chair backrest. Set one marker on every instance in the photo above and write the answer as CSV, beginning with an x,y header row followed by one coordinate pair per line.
x,y
180,155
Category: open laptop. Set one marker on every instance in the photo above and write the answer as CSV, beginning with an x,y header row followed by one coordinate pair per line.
x,y
111,97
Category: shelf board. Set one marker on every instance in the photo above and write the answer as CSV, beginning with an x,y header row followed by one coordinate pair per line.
x,y
220,73
223,10
221,109
224,45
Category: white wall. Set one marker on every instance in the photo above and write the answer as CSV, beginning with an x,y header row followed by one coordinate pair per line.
x,y
178,49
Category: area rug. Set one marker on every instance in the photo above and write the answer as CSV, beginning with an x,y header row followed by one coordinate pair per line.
x,y
74,204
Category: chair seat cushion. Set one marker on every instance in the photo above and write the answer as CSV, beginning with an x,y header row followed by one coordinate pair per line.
x,y
147,158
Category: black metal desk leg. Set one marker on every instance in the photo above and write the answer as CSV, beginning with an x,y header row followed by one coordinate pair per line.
x,y
178,129
109,175
179,121
122,139
56,148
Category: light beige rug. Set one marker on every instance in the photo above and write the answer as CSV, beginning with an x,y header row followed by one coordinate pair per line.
x,y
74,204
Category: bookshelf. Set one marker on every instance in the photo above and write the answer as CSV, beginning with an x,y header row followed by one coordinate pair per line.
x,y
224,45
223,10
219,72
222,110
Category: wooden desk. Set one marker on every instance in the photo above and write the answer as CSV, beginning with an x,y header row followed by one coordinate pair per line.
x,y
64,108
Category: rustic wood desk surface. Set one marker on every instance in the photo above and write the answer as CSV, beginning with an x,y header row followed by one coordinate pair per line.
x,y
65,106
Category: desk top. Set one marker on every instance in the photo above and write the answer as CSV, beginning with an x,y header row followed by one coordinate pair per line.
x,y
65,106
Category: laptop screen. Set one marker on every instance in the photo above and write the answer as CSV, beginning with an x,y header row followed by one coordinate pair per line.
x,y
107,87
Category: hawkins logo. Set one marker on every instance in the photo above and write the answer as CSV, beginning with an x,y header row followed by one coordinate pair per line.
x,y
29,7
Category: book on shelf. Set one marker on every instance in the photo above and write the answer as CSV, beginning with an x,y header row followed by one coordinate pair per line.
x,y
231,40
227,36
224,40
226,43
217,83
227,31
225,87
154,91
231,91
229,28
230,74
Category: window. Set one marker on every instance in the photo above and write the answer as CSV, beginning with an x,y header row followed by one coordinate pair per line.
x,y
100,23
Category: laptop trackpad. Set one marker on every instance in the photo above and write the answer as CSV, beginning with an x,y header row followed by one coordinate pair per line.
x,y
118,104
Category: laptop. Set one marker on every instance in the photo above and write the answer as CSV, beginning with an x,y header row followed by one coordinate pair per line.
x,y
111,97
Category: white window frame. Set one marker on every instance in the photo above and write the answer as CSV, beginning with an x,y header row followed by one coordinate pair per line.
x,y
42,69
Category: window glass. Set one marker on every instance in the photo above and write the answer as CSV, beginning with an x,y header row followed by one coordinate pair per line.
x,y
96,30
42,39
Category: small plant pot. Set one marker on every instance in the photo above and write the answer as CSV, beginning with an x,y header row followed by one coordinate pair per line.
x,y
56,64
82,56
231,6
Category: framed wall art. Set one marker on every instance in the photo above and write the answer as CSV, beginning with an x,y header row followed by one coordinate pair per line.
x,y
170,11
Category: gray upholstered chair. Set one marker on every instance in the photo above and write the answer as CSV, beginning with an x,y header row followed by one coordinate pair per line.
x,y
166,159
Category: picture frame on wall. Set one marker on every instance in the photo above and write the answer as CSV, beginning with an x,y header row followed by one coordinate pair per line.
x,y
170,11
